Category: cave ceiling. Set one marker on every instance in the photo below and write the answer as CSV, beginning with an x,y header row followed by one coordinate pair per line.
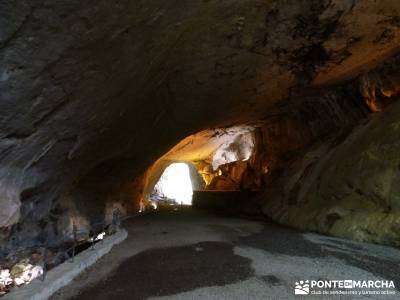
x,y
114,85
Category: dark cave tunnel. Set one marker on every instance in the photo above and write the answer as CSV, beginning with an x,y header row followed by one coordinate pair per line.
x,y
281,110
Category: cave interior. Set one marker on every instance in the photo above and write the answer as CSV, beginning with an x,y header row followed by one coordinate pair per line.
x,y
286,110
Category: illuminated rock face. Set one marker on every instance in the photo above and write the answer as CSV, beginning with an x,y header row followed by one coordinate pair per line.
x,y
92,96
349,189
339,172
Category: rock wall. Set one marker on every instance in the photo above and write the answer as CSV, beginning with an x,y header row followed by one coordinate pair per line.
x,y
350,189
340,177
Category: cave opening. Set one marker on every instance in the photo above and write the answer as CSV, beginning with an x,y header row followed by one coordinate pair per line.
x,y
174,186
215,169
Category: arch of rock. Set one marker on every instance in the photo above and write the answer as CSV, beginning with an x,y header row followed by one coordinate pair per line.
x,y
94,97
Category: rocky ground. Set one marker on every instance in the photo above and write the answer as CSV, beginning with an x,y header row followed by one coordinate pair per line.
x,y
183,254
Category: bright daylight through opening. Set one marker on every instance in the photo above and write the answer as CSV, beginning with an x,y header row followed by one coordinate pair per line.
x,y
174,185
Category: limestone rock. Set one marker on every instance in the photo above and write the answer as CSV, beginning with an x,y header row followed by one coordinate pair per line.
x,y
91,96
24,272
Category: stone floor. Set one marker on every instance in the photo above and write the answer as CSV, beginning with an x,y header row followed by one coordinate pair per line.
x,y
184,254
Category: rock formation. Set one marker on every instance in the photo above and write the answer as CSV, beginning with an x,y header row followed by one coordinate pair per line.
x,y
92,94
